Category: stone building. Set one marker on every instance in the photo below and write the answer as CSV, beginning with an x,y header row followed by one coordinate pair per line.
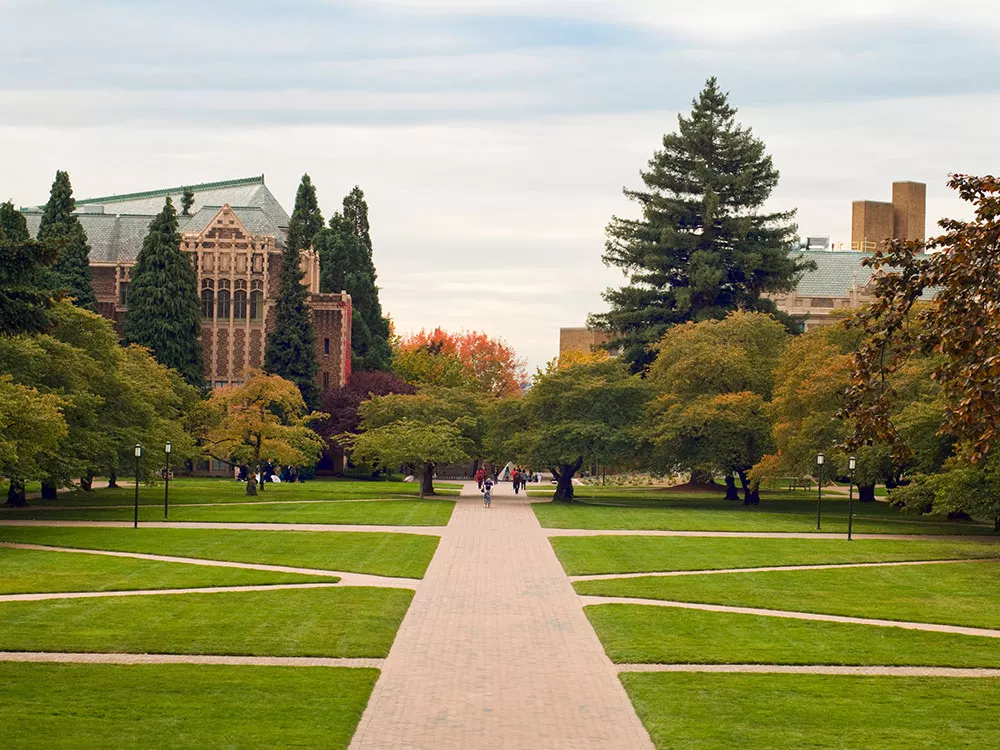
x,y
234,236
583,339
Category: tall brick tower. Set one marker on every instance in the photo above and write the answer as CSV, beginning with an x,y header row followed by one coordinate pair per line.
x,y
909,210
874,222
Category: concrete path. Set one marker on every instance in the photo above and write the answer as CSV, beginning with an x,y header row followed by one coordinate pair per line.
x,y
346,578
495,651
814,669
162,592
985,539
931,627
426,530
778,568
257,661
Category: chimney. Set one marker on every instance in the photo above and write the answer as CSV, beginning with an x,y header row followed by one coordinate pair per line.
x,y
909,210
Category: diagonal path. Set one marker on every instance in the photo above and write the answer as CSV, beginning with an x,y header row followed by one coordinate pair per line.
x,y
426,530
257,661
815,669
984,539
495,651
792,615
162,592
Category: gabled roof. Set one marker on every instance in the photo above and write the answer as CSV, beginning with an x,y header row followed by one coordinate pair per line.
x,y
836,273
255,220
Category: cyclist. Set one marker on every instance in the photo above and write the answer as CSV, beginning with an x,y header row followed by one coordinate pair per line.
x,y
487,492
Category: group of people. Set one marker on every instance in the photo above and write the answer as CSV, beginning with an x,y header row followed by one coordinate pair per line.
x,y
268,473
520,478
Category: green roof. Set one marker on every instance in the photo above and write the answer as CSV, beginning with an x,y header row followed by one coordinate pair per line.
x,y
163,193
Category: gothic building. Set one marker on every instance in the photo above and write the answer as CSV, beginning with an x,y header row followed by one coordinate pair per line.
x,y
234,235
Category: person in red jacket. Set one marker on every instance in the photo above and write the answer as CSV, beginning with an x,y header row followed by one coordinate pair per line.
x,y
516,478
480,477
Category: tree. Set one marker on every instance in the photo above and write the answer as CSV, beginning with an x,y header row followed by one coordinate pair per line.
x,y
434,426
343,404
61,228
490,365
703,246
164,312
31,423
24,304
964,490
713,380
264,419
187,201
356,215
346,265
290,351
961,326
580,413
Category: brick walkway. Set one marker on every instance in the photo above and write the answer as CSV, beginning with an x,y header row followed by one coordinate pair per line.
x,y
495,651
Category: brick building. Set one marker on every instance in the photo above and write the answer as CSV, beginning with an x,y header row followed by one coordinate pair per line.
x,y
234,237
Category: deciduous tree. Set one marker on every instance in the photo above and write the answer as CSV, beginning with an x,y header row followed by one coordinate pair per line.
x,y
490,365
704,246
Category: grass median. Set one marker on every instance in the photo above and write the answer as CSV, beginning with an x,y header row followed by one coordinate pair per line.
x,y
642,554
403,555
953,594
180,706
333,622
694,711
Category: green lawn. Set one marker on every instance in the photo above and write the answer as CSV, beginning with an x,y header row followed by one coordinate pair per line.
x,y
637,634
377,513
36,571
641,554
712,711
954,594
404,555
220,490
179,706
692,512
349,622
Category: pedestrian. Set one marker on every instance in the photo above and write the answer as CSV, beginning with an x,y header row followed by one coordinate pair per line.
x,y
480,477
487,492
236,473
516,478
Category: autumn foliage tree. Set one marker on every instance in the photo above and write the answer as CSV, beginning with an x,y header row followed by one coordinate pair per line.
x,y
489,365
264,419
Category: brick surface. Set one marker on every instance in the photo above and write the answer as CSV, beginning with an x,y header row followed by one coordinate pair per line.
x,y
495,651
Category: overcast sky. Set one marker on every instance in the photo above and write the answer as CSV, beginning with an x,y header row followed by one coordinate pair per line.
x,y
492,139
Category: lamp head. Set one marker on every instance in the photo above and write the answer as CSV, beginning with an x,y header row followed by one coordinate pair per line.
x,y
819,459
168,447
138,450
851,463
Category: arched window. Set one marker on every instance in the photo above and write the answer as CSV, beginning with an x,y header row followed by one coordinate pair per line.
x,y
239,305
222,300
207,300
256,305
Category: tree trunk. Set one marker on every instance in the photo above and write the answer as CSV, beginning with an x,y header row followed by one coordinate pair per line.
x,y
427,481
112,480
564,481
731,492
701,476
866,493
87,483
751,490
49,491
251,484
15,493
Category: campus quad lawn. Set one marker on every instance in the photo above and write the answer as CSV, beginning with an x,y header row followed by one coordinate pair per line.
x,y
185,490
347,622
778,511
180,706
953,594
374,512
695,711
592,555
402,555
639,634
37,571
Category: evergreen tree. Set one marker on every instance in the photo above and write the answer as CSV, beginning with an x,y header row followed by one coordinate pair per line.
x,y
703,246
164,310
290,350
356,212
187,200
346,265
61,227
24,301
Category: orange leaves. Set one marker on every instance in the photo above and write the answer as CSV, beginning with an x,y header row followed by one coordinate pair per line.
x,y
492,366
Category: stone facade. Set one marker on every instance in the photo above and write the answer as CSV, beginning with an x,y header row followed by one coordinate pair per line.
x,y
583,339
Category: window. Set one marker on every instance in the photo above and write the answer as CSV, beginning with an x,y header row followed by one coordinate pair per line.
x,y
256,305
222,304
326,347
257,263
220,383
207,300
326,380
122,292
239,305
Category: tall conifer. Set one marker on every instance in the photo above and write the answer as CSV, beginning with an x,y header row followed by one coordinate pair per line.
x,y
24,301
703,246
61,228
164,310
345,256
290,350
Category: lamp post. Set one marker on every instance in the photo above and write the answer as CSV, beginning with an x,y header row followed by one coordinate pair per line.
x,y
138,455
166,479
852,462
819,490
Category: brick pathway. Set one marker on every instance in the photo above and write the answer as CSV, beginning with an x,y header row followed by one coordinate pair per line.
x,y
817,669
258,661
495,651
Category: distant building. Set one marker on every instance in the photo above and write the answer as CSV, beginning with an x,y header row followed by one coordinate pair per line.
x,y
583,339
234,238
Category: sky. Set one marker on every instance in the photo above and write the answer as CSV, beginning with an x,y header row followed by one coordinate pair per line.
x,y
493,139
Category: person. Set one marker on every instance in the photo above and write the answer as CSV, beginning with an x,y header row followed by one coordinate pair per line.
x,y
480,477
236,473
516,479
487,492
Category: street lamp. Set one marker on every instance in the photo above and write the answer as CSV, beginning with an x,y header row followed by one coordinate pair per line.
x,y
819,490
138,455
852,462
166,484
